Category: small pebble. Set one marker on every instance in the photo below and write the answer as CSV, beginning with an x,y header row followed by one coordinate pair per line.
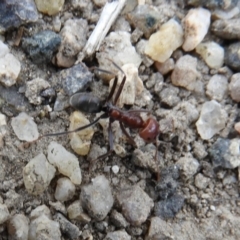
x,y
37,174
66,162
225,153
212,119
34,88
225,14
115,169
80,141
70,230
212,53
227,29
232,58
237,127
165,67
188,166
65,190
40,210
201,182
196,25
185,73
118,235
18,227
50,7
24,127
234,87
4,213
118,220
9,66
162,43
96,198
75,79
215,4
217,87
58,206
117,46
42,46
136,205
73,35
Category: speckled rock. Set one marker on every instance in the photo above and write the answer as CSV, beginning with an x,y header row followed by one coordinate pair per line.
x,y
80,141
185,74
24,127
50,7
96,198
15,13
66,162
65,190
162,43
18,227
217,87
73,35
37,174
136,205
232,58
234,87
227,29
117,46
118,235
212,53
75,79
196,24
146,18
212,119
9,66
225,153
42,46
34,88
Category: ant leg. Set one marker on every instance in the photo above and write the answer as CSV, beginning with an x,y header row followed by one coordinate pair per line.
x,y
156,159
139,111
130,139
110,139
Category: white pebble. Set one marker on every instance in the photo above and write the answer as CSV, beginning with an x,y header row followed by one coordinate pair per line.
x,y
217,87
66,162
196,25
162,43
65,190
24,127
37,174
3,120
115,169
4,213
80,141
234,87
212,53
212,119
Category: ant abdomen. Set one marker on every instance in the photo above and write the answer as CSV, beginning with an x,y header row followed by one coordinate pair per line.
x,y
150,131
86,102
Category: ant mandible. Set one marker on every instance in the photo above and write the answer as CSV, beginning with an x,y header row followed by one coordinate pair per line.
x,y
86,102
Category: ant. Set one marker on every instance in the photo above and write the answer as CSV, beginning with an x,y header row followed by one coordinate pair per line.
x,y
86,102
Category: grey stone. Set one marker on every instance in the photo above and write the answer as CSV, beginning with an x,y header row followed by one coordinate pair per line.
x,y
117,235
118,219
201,181
232,58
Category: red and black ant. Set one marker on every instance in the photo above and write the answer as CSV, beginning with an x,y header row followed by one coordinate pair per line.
x,y
86,102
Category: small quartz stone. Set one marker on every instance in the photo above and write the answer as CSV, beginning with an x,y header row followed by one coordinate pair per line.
x,y
212,119
24,127
80,141
117,46
9,66
66,162
162,43
132,87
18,227
185,73
196,25
201,181
217,87
73,35
136,205
40,210
50,7
96,198
232,58
212,53
34,88
37,174
75,79
4,213
225,153
227,29
234,87
65,190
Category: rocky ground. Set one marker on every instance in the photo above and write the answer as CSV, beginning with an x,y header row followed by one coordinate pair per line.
x,y
181,63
